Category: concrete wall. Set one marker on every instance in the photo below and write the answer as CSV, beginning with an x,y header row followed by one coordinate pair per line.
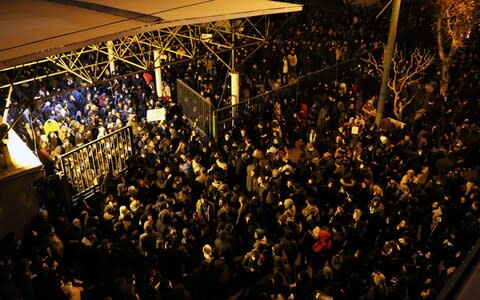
x,y
18,202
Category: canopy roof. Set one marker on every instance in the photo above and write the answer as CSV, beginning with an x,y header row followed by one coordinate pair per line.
x,y
35,29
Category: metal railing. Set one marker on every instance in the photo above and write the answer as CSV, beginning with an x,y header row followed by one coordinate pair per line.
x,y
253,108
214,122
195,107
85,166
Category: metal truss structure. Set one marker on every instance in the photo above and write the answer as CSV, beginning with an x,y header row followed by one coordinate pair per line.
x,y
91,64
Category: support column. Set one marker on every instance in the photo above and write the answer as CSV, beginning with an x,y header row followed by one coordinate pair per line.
x,y
214,127
158,73
7,105
235,92
111,57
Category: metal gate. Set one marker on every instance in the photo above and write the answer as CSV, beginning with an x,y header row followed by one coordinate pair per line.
x,y
84,167
195,107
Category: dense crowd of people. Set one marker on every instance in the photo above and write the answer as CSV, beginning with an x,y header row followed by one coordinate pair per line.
x,y
360,213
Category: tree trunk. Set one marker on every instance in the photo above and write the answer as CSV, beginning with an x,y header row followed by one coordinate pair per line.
x,y
444,77
446,57
444,68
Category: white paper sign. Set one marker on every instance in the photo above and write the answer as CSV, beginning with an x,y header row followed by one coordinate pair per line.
x,y
158,114
355,130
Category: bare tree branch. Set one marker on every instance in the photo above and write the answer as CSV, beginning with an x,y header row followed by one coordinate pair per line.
x,y
406,70
455,22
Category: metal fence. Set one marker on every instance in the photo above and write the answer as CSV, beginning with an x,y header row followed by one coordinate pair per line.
x,y
195,107
249,111
85,166
214,122
252,109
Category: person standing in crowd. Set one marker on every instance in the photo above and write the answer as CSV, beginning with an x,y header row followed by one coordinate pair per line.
x,y
240,216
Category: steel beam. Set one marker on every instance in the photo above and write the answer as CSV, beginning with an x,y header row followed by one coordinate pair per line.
x,y
90,63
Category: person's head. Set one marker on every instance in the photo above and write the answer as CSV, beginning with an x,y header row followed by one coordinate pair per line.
x,y
242,199
289,205
402,224
475,205
277,249
376,201
403,240
357,214
378,278
290,182
248,218
259,234
316,232
327,272
255,254
377,190
207,252
243,132
428,293
43,213
330,184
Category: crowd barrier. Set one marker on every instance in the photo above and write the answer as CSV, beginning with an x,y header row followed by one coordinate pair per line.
x,y
84,167
249,110
215,122
195,107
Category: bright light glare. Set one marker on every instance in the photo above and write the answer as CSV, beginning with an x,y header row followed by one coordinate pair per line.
x,y
22,157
